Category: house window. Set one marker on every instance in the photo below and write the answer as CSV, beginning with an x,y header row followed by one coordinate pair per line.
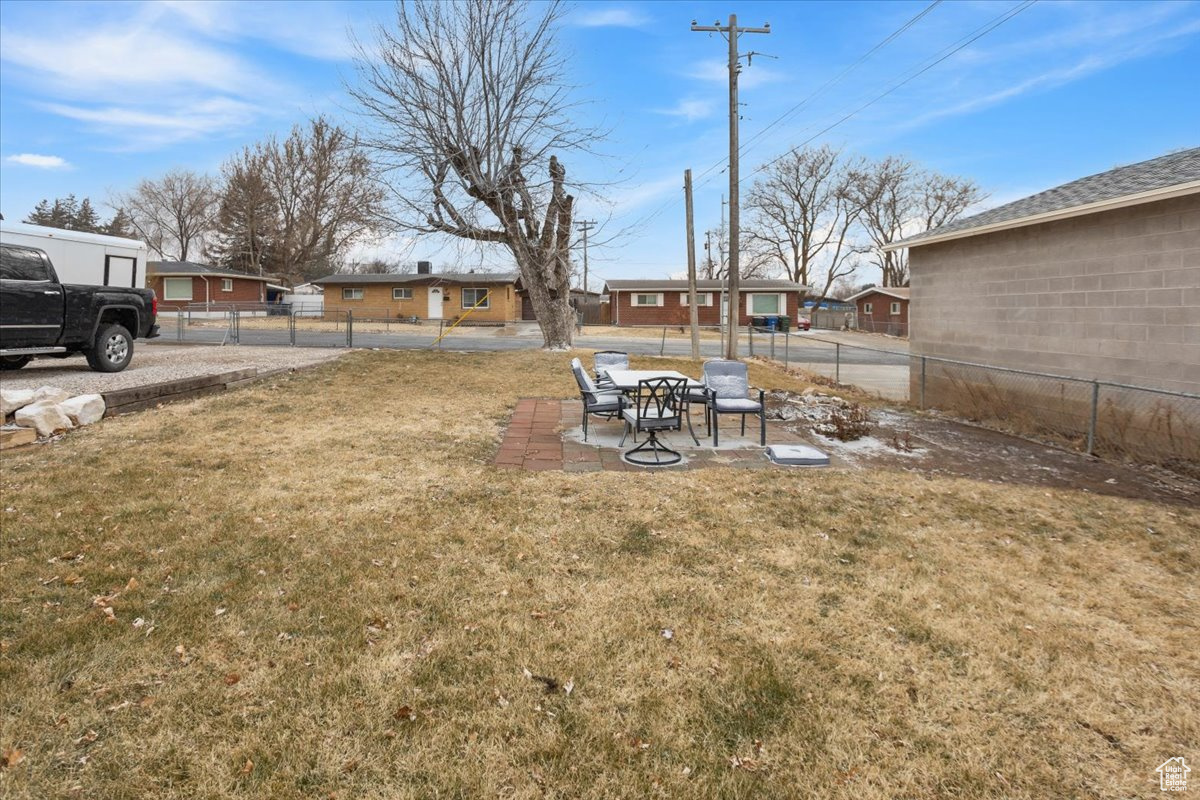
x,y
702,298
866,308
764,304
226,284
401,294
177,288
895,308
352,294
648,299
471,297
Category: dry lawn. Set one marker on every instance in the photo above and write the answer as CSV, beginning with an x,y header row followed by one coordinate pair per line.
x,y
320,587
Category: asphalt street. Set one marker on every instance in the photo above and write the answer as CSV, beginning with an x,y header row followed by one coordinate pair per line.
x,y
800,347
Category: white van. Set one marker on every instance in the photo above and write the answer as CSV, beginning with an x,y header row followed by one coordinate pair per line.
x,y
84,258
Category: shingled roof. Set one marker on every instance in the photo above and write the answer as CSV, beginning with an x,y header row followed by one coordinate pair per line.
x,y
171,269
1159,178
753,284
425,277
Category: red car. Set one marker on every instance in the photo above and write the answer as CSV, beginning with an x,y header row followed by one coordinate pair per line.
x,y
803,323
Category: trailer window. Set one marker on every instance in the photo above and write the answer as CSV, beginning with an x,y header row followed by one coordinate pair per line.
x,y
23,264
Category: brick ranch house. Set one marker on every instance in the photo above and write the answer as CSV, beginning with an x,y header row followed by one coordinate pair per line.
x,y
882,309
665,302
1096,279
425,295
183,284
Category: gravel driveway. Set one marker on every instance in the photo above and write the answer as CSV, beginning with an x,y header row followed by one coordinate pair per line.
x,y
154,363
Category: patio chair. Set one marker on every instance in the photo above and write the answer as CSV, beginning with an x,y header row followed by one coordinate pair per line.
x,y
658,406
595,401
606,360
728,384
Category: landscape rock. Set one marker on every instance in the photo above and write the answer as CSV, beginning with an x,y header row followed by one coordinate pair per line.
x,y
50,394
84,409
45,417
12,399
16,437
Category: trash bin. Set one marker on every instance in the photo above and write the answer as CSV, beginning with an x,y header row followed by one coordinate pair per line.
x,y
758,322
784,324
772,322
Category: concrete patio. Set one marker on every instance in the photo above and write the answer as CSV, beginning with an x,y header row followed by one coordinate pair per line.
x,y
548,435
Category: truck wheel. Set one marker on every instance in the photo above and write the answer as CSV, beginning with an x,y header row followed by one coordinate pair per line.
x,y
112,350
13,362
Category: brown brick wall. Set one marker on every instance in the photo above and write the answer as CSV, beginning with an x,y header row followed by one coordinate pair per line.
x,y
673,311
1113,296
244,291
377,302
880,318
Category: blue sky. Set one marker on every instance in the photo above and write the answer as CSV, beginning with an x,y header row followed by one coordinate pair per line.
x,y
94,96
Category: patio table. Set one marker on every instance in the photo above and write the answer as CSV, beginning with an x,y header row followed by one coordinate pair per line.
x,y
627,379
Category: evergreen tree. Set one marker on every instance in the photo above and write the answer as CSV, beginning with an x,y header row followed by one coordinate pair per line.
x,y
86,219
41,214
119,225
64,212
247,218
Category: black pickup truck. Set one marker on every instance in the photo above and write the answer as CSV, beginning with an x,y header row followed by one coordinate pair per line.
x,y
41,317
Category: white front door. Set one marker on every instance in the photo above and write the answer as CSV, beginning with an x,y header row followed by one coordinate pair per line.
x,y
435,303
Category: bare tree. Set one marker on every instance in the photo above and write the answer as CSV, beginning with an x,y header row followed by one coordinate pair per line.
x,y
469,103
899,200
377,266
803,212
173,214
326,195
755,261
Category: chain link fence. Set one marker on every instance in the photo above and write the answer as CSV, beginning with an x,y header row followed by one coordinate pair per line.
x,y
1097,417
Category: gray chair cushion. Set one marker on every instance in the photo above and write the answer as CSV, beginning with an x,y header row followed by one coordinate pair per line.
x,y
737,405
669,419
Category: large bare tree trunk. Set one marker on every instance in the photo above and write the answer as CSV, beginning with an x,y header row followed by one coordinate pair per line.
x,y
466,98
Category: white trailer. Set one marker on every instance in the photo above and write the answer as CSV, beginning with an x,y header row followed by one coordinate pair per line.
x,y
84,258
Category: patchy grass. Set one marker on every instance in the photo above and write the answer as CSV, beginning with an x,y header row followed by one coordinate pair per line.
x,y
321,587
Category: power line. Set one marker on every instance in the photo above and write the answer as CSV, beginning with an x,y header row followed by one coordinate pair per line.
x,y
962,43
937,59
791,111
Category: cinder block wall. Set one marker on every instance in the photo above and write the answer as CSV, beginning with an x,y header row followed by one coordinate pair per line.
x,y
1113,296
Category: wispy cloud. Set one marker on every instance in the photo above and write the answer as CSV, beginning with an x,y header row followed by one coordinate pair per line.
x,y
38,161
317,30
143,129
689,110
617,17
1126,38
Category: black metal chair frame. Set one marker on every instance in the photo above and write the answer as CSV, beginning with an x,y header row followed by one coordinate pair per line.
x,y
659,405
602,379
591,398
716,418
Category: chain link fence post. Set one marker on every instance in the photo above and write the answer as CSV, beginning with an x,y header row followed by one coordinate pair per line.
x,y
837,362
787,341
772,345
750,337
1091,445
349,329
922,383
179,325
292,327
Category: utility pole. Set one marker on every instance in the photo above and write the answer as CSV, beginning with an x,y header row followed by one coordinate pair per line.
x,y
732,32
693,313
585,225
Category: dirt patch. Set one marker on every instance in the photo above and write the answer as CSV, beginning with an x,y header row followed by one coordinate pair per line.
x,y
932,446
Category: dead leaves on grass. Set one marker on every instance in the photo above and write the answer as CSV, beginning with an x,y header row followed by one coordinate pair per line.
x,y
10,756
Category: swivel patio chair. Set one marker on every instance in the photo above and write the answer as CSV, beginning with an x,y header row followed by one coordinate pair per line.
x,y
606,360
596,402
729,389
658,406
